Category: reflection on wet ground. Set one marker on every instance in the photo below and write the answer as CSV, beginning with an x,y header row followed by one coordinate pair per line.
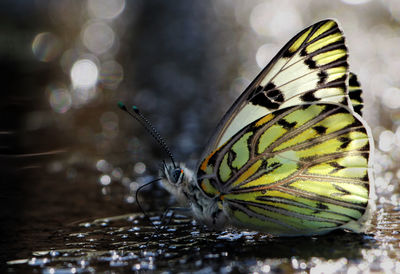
x,y
131,242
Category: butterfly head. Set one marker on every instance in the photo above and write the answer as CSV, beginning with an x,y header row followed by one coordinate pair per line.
x,y
174,174
176,180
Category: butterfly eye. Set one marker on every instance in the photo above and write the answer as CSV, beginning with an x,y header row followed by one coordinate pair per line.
x,y
177,174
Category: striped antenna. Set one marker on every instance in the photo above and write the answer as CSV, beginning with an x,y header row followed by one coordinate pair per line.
x,y
138,116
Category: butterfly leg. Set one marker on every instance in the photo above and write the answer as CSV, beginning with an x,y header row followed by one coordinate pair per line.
x,y
167,217
170,212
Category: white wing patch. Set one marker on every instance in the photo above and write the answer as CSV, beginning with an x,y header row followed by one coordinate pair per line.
x,y
274,70
249,114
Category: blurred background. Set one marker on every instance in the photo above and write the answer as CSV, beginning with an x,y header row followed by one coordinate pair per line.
x,y
69,155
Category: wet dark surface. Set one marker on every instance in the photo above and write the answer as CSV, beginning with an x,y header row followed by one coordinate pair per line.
x,y
71,161
129,243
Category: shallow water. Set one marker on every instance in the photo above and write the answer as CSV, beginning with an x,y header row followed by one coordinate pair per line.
x,y
71,161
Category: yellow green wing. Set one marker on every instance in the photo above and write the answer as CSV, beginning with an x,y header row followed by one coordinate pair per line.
x,y
311,67
355,93
300,170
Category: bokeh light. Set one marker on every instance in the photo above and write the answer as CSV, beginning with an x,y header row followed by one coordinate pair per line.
x,y
386,140
105,180
117,173
46,46
106,9
103,166
111,74
265,53
89,59
60,100
275,19
98,37
84,74
391,97
139,168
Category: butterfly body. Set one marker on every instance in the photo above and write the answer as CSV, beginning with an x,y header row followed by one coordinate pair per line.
x,y
291,157
186,191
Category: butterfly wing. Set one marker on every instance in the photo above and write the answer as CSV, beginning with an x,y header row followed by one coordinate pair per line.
x,y
311,67
300,170
291,156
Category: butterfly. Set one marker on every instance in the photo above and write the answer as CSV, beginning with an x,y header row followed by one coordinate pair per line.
x,y
291,157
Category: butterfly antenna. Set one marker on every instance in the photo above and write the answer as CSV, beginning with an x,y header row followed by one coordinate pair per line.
x,y
138,203
138,116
